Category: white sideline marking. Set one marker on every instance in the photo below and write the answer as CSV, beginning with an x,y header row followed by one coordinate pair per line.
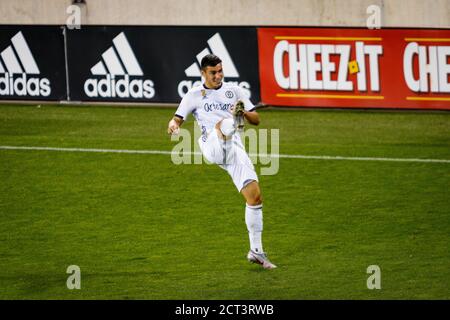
x,y
289,156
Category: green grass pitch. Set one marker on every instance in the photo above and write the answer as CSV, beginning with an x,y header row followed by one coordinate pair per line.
x,y
140,227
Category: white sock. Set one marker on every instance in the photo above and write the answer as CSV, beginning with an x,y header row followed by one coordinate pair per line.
x,y
254,221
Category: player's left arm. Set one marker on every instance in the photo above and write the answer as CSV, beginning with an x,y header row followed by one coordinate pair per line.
x,y
249,108
252,117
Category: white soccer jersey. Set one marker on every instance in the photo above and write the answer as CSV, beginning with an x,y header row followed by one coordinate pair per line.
x,y
209,106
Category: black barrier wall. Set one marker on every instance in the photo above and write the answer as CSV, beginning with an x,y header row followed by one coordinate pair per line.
x,y
156,64
120,64
32,65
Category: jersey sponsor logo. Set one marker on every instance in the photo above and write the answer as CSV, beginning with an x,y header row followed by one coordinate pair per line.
x,y
208,107
118,74
217,47
17,63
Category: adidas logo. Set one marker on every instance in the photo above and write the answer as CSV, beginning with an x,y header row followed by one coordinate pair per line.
x,y
17,59
117,65
217,47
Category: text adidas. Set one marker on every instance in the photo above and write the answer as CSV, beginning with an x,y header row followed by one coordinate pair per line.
x,y
109,86
23,86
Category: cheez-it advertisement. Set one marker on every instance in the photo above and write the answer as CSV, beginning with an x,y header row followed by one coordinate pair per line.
x,y
354,67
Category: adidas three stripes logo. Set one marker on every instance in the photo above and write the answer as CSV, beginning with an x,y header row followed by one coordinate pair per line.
x,y
119,59
17,59
112,74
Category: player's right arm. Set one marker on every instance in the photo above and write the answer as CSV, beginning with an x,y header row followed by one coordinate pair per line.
x,y
174,124
186,106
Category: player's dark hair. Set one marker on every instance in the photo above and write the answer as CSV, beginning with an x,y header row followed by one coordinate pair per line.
x,y
210,60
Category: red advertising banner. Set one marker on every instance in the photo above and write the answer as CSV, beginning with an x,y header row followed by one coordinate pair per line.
x,y
348,67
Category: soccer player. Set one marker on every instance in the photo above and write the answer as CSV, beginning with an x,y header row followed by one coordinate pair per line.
x,y
219,109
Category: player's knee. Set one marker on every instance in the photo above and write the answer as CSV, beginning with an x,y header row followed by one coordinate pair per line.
x,y
255,199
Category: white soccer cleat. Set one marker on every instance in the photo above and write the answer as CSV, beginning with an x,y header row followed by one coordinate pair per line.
x,y
260,258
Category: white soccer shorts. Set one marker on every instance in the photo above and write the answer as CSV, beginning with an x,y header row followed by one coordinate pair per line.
x,y
231,156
